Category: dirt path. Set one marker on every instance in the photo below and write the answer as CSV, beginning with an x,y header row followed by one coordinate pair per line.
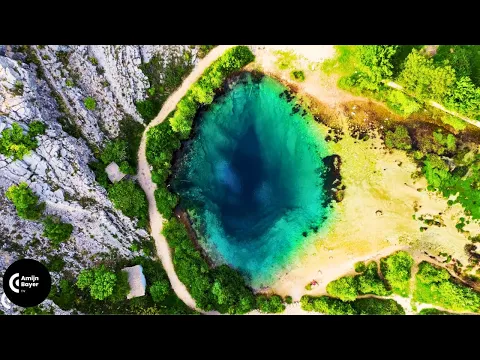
x,y
145,179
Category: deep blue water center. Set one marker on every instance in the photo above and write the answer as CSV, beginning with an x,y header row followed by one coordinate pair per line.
x,y
253,174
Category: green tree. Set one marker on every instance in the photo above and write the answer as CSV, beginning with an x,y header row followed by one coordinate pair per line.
x,y
128,197
159,290
115,151
166,201
396,269
345,288
270,304
14,143
100,281
464,97
25,201
370,282
376,63
56,231
421,76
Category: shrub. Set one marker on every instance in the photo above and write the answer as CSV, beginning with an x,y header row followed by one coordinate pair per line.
x,y
25,201
130,199
297,75
159,290
166,201
396,269
435,286
402,103
231,293
56,264
270,304
100,281
288,300
326,305
344,288
370,282
373,306
36,128
433,311
65,297
398,139
56,231
121,288
90,103
14,143
115,151
360,267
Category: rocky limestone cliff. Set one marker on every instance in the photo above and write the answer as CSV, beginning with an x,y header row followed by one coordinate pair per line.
x,y
50,84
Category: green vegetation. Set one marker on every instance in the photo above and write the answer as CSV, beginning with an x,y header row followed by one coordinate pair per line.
x,y
401,103
347,288
270,304
159,290
221,289
164,139
451,77
25,201
90,103
453,121
99,281
14,143
373,306
397,270
368,306
297,75
360,267
69,296
326,305
433,311
398,139
56,231
437,287
129,197
370,282
56,264
164,76
288,299
344,288
203,50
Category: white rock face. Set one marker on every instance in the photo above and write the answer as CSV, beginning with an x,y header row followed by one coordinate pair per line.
x,y
57,171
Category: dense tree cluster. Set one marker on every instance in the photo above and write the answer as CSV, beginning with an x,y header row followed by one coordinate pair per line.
x,y
129,197
436,286
99,281
397,270
451,77
366,306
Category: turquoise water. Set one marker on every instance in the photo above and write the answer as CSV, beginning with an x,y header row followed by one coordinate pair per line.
x,y
254,176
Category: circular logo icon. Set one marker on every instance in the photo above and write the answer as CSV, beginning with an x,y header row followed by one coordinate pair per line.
x,y
27,282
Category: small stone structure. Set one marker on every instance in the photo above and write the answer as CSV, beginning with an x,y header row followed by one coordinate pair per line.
x,y
114,173
136,280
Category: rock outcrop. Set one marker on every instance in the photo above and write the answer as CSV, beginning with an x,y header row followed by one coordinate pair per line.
x,y
50,84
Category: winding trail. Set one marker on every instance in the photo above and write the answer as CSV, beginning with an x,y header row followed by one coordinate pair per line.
x,y
145,178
